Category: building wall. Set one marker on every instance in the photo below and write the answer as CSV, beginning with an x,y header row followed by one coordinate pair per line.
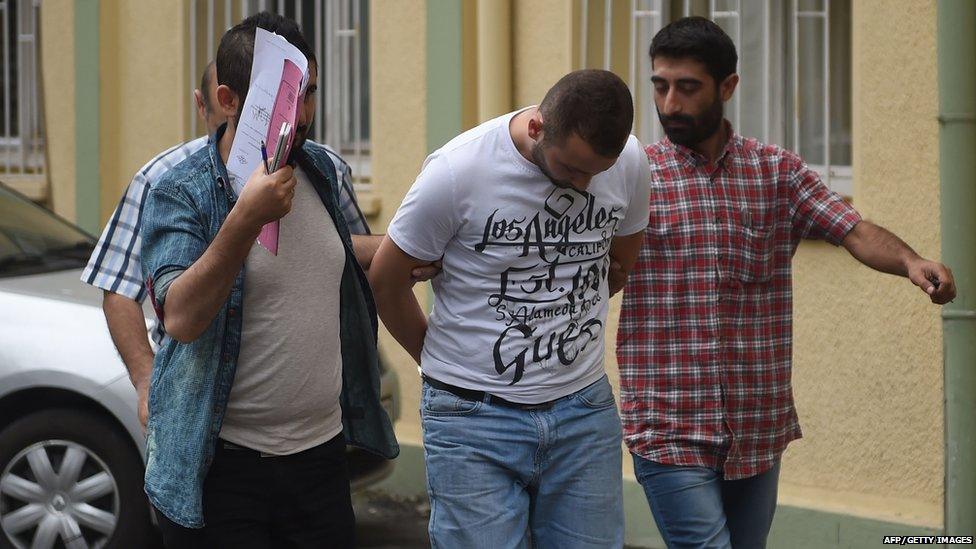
x,y
399,145
58,73
868,347
142,100
143,94
541,47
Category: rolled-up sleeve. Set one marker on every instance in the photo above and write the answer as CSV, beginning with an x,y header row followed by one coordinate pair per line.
x,y
173,238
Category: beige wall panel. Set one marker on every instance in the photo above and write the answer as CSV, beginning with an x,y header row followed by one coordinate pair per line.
x,y
398,65
58,73
542,47
868,347
144,93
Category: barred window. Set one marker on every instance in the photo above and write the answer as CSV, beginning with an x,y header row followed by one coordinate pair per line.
x,y
22,158
794,63
338,31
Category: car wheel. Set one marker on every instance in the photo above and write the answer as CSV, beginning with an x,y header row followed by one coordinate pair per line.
x,y
69,478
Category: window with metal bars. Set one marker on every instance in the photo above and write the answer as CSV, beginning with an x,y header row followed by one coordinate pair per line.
x,y
21,116
338,30
794,64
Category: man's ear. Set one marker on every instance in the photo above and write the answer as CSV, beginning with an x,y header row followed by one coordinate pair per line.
x,y
227,101
199,104
535,126
728,86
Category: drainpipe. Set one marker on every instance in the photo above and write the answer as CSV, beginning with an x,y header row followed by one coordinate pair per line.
x,y
494,58
957,168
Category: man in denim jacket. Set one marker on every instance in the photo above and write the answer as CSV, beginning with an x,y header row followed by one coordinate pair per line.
x,y
272,359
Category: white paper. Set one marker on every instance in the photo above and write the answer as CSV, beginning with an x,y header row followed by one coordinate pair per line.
x,y
270,52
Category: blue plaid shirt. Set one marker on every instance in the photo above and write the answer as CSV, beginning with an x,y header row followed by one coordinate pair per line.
x,y
116,266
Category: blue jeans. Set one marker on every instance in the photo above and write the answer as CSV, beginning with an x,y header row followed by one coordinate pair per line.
x,y
695,507
498,475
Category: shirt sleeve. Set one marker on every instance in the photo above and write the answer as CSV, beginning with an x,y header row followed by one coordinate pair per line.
x,y
348,204
637,211
173,239
427,219
115,264
816,211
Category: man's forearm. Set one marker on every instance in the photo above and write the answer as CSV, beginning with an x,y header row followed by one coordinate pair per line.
x,y
364,246
198,293
403,317
879,248
127,327
623,255
391,282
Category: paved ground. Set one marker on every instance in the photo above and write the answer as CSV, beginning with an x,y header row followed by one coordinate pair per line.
x,y
384,521
387,522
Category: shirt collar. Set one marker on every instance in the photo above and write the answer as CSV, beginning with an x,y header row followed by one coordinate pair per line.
x,y
221,178
693,159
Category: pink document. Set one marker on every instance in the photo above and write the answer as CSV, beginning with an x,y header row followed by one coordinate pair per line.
x,y
285,110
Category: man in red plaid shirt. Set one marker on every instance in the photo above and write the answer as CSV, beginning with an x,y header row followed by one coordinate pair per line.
x,y
705,336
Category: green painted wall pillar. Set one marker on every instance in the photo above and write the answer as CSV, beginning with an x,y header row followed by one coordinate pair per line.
x,y
444,66
445,91
957,166
88,181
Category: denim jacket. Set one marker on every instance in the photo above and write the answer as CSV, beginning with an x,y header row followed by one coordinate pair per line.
x,y
191,382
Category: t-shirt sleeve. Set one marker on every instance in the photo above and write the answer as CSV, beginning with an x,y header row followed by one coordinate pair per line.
x,y
427,219
640,186
817,212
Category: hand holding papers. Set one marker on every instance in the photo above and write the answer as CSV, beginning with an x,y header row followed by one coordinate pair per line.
x,y
282,144
279,75
284,136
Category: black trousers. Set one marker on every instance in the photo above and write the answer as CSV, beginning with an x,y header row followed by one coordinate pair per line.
x,y
299,501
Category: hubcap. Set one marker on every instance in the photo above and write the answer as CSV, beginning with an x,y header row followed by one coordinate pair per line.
x,y
58,492
59,503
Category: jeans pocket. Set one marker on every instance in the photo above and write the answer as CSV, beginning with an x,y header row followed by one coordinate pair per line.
x,y
435,402
597,395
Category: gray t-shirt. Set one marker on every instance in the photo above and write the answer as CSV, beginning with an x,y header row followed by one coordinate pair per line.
x,y
285,396
521,304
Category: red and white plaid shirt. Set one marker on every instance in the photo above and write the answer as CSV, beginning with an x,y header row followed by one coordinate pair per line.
x,y
705,338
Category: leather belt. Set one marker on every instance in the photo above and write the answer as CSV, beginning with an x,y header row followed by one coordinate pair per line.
x,y
488,398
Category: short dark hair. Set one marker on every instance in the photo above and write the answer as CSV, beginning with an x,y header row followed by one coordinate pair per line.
x,y
236,51
205,81
699,39
594,104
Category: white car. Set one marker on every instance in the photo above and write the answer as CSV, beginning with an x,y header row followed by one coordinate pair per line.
x,y
71,447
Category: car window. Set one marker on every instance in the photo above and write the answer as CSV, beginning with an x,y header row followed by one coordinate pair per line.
x,y
34,240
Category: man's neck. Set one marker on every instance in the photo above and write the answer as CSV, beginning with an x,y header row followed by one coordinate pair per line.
x,y
518,127
226,141
713,145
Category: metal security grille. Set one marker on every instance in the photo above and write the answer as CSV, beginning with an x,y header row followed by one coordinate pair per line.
x,y
794,63
22,139
338,30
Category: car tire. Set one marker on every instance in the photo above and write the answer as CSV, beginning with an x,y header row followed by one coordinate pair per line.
x,y
111,466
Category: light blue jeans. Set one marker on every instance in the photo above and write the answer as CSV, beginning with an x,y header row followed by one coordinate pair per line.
x,y
498,477
694,507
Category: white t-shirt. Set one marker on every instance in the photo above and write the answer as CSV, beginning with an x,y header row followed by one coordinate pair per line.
x,y
521,305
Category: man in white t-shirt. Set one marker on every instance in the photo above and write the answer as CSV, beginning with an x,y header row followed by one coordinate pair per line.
x,y
528,210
